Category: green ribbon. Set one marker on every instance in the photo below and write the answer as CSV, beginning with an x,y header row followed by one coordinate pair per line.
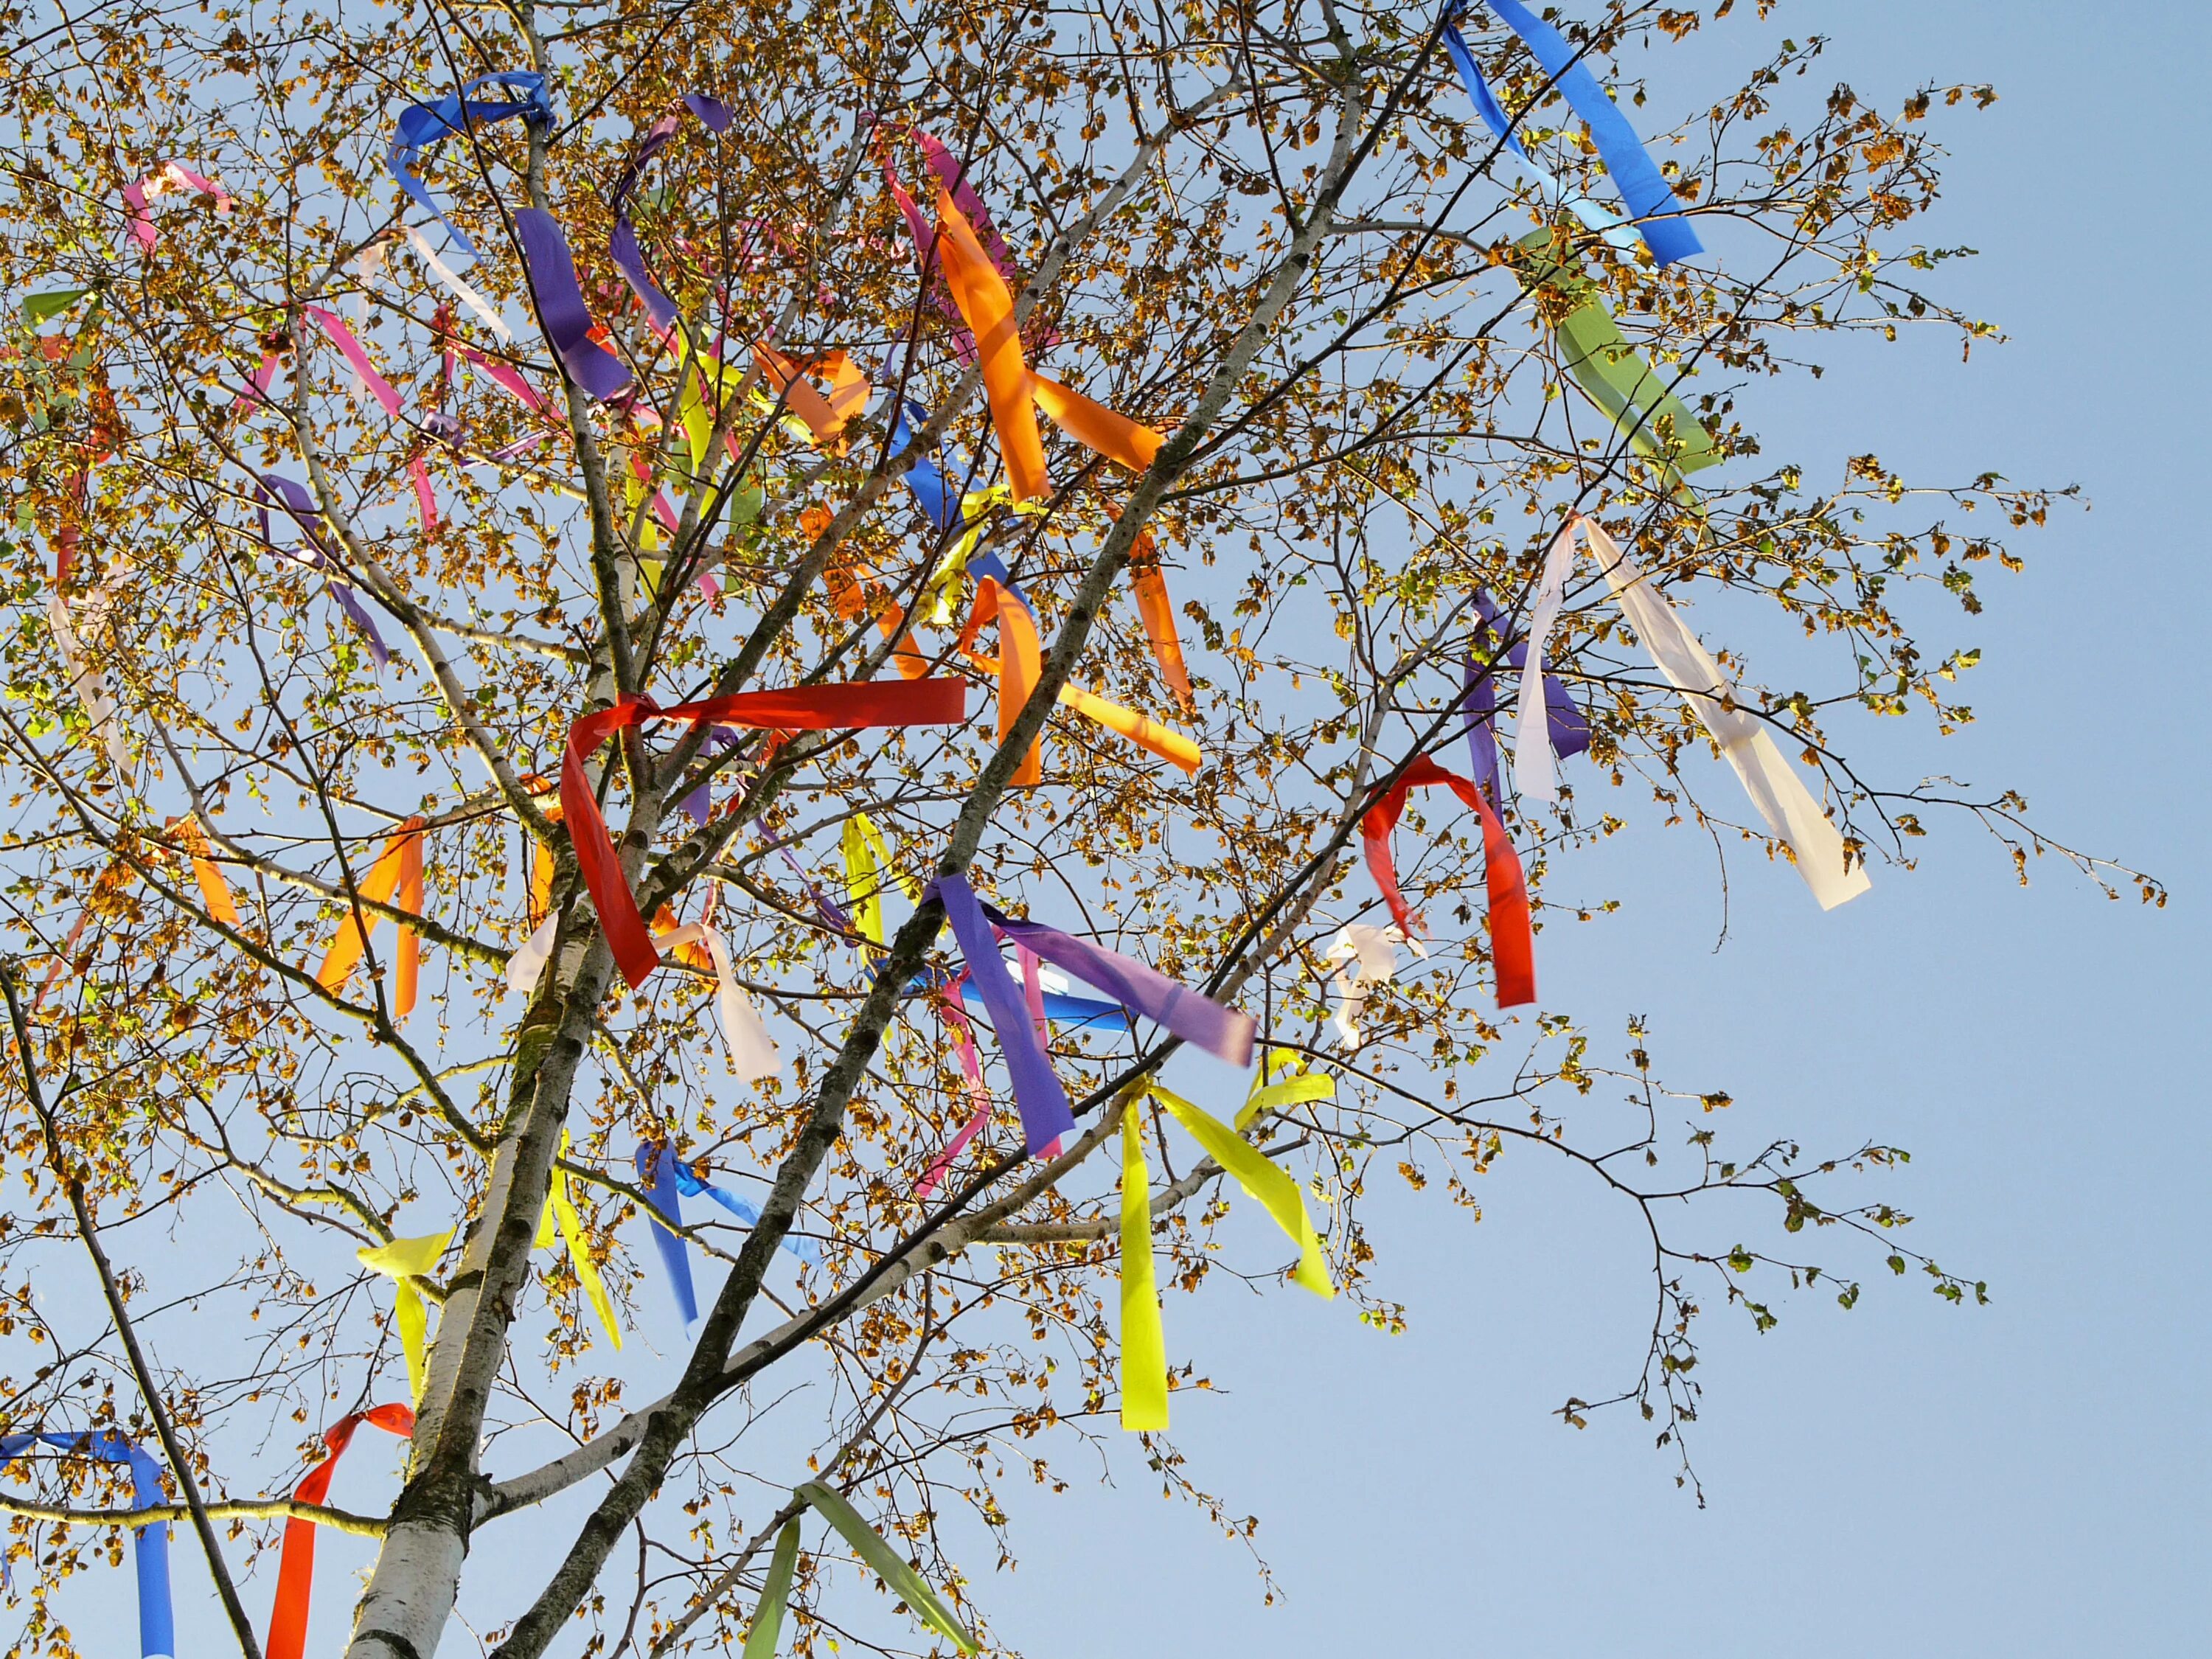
x,y
903,1581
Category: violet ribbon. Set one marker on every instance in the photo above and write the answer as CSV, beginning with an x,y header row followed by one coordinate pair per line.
x,y
1046,1116
293,497
567,320
424,124
622,244
1563,718
1478,710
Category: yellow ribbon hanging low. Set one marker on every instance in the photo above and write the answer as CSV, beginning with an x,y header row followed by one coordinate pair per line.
x,y
867,859
1143,1348
560,1206
403,1261
1283,1081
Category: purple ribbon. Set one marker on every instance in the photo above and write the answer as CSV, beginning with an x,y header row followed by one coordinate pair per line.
x,y
424,124
1478,709
293,497
1046,1116
621,245
561,309
1563,717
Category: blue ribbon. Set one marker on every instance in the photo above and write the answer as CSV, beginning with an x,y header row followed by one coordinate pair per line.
x,y
1643,191
157,1630
668,1181
1563,717
424,124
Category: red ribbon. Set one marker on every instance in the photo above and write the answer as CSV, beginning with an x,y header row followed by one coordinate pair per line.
x,y
811,708
1512,940
295,1561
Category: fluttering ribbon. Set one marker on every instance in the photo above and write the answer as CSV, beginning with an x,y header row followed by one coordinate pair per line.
x,y
1057,1007
824,416
215,891
988,309
753,1053
89,682
1650,201
149,1544
1157,612
567,320
1046,1115
1566,725
475,302
898,1574
868,868
1792,816
1283,1081
810,708
621,243
1020,663
1362,955
426,124
561,1208
766,1631
395,878
403,1261
1656,422
169,175
1536,772
1144,1348
1512,940
295,1558
1609,225
946,1006
668,1181
315,553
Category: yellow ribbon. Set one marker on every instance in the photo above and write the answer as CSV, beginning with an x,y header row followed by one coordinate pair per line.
x,y
403,1261
1283,1081
866,858
559,1206
1143,1348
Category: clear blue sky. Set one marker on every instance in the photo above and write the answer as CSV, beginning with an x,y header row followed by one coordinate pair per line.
x,y
2024,1480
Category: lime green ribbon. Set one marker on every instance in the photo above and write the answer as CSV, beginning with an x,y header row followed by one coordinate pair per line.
x,y
897,1573
560,1206
767,1629
403,1261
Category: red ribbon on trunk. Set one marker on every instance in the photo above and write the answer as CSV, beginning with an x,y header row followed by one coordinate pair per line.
x,y
1512,940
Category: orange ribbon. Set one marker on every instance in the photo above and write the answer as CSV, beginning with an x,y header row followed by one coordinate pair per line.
x,y
1158,612
395,877
988,310
215,891
825,417
1019,666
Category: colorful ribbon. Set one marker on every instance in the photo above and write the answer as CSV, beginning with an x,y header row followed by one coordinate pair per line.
x,y
1143,1363
460,290
766,1631
1593,351
868,869
561,1208
1536,772
427,123
1283,1081
753,1053
1615,230
295,1558
159,182
1650,201
1512,940
810,708
1019,665
1565,723
898,1576
149,1544
562,312
315,554
89,683
622,244
668,1181
403,1261
1046,1115
1157,612
1792,816
396,878
215,891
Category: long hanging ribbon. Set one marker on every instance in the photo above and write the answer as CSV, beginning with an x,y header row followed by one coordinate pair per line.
x,y
1535,773
292,497
811,708
1656,422
988,309
396,878
868,868
1362,955
947,1009
621,243
561,1208
215,891
1059,1008
1512,940
1158,613
1643,190
149,1544
89,683
426,124
1568,725
1611,225
460,290
1046,1116
403,1261
168,175
373,384
766,1631
898,1576
825,417
295,1558
753,1053
1792,816
1020,663
1144,1369
551,270
1283,1082
668,1181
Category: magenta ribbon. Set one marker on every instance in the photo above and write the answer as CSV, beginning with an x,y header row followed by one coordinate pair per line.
x,y
621,245
567,320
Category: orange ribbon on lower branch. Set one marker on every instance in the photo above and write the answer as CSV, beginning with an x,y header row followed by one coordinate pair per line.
x,y
396,878
296,1562
810,708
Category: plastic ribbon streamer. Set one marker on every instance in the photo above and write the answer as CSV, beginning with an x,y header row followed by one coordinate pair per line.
x,y
169,175
149,1544
813,709
1059,1008
372,383
460,290
300,507
395,878
1046,1115
1283,1081
1158,613
424,124
1793,817
1536,772
1643,191
567,320
1565,723
215,891
403,1261
1611,225
988,310
89,683
1364,956
1020,664
1656,424
766,1631
898,1577
971,1066
668,1181
753,1053
867,859
295,1558
1512,940
825,417
561,1208
1143,1359
622,244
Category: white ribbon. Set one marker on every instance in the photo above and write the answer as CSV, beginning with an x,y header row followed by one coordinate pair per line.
x,y
461,291
1536,769
1792,816
90,685
1375,951
527,965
